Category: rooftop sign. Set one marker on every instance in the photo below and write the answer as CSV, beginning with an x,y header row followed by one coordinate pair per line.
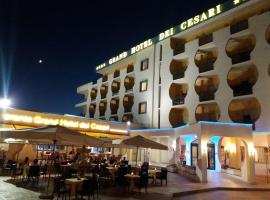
x,y
210,13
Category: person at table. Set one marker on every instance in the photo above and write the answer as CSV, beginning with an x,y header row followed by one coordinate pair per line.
x,y
124,161
35,162
25,166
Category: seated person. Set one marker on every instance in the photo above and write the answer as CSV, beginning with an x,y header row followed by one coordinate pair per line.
x,y
124,161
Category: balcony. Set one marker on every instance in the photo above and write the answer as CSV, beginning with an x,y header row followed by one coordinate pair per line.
x,y
102,108
103,91
114,105
240,26
205,59
130,68
127,117
241,79
178,45
128,102
116,74
206,87
205,39
267,34
93,94
246,110
92,110
115,87
114,118
105,78
207,112
178,68
239,48
129,83
178,117
178,93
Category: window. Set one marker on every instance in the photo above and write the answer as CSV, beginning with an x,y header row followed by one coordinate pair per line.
x,y
144,64
142,107
160,53
158,118
260,155
159,96
143,86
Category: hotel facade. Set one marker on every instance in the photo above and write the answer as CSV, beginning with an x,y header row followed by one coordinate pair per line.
x,y
199,87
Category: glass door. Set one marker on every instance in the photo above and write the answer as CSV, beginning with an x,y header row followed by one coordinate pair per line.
x,y
211,156
194,153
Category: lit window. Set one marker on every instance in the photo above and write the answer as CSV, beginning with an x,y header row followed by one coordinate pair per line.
x,y
260,155
144,64
142,107
143,86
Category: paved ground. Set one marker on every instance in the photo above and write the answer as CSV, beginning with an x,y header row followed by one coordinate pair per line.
x,y
225,195
10,190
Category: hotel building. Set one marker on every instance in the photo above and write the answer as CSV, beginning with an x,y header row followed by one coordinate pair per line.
x,y
199,87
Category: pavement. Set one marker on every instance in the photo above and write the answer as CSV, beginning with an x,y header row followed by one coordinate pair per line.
x,y
220,186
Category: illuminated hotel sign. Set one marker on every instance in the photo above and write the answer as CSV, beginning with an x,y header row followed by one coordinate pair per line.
x,y
212,12
41,119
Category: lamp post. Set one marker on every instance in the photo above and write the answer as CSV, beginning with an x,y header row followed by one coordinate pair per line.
x,y
5,103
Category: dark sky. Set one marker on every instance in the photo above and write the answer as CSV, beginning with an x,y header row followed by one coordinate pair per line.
x,y
72,37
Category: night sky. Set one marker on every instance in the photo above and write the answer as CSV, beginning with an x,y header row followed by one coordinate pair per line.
x,y
72,38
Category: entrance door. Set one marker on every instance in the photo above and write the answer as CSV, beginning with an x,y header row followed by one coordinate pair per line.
x,y
211,156
194,153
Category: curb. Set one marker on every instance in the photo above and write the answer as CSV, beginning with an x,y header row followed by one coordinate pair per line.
x,y
189,192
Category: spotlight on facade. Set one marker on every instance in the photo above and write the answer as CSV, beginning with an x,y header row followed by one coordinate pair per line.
x,y
128,123
4,103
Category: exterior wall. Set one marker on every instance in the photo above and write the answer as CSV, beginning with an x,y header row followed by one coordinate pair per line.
x,y
157,67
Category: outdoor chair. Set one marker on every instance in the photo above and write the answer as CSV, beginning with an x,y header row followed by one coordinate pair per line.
x,y
143,179
162,175
44,170
34,173
7,167
88,189
16,171
60,189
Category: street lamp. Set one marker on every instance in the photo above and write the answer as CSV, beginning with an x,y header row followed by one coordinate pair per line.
x,y
4,103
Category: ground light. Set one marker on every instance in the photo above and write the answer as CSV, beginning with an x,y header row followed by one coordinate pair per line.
x,y
4,103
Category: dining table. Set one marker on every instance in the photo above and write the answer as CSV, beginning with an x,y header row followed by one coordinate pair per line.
x,y
153,173
131,179
74,184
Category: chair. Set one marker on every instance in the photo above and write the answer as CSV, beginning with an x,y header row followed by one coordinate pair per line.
x,y
88,189
162,175
44,170
34,173
144,179
59,188
7,166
